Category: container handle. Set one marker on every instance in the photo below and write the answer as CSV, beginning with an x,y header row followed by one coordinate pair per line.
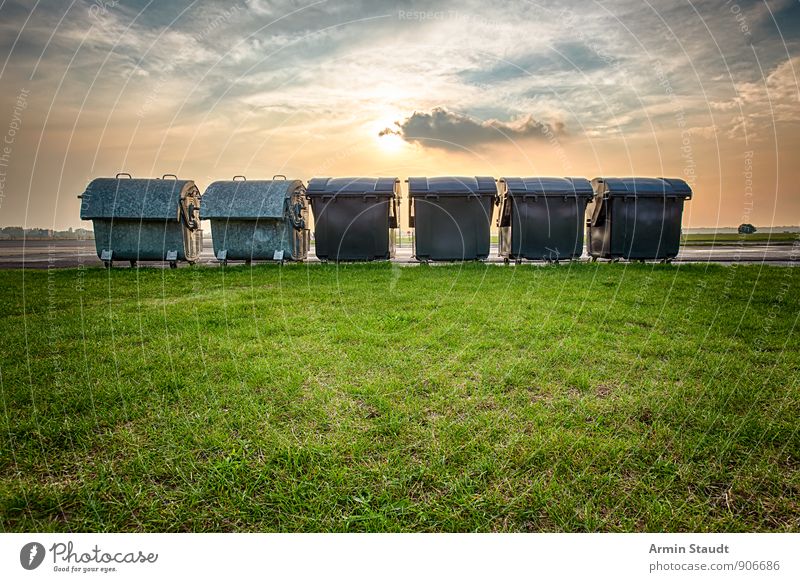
x,y
504,215
295,213
239,176
393,222
165,176
187,215
597,218
276,176
123,174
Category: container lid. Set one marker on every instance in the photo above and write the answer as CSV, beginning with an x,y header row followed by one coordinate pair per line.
x,y
139,198
642,187
248,198
545,186
353,186
452,186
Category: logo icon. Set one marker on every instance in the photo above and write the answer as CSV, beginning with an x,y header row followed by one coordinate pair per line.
x,y
31,555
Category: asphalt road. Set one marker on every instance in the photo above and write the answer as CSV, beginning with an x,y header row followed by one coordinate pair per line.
x,y
42,254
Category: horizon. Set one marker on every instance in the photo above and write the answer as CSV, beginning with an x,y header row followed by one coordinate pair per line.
x,y
209,90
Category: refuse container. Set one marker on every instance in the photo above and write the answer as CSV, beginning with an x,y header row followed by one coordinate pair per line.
x,y
542,218
355,219
636,218
262,220
144,219
451,217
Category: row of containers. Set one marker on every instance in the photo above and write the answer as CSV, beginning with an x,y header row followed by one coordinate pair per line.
x,y
356,219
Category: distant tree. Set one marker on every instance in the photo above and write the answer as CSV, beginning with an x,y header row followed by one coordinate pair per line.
x,y
14,232
38,233
747,228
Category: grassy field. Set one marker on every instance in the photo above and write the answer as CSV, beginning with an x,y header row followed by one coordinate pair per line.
x,y
581,397
734,238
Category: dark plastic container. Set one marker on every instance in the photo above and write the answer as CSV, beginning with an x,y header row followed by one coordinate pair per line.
x,y
354,218
144,219
451,217
257,219
542,218
636,218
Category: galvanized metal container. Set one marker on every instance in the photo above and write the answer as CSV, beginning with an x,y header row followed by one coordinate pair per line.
x,y
542,218
354,218
257,219
144,219
451,217
636,218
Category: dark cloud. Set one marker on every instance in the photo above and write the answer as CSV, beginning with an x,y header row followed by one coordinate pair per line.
x,y
454,131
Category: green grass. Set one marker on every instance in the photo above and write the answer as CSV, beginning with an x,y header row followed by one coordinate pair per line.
x,y
581,397
732,238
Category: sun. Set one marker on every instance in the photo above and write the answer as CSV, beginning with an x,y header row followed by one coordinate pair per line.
x,y
385,132
391,142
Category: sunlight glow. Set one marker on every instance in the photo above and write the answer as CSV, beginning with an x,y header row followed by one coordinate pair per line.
x,y
388,143
391,143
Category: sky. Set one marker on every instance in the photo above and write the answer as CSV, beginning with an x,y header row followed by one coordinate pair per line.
x,y
706,91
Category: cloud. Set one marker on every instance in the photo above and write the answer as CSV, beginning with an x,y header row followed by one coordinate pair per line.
x,y
455,131
774,99
706,132
570,57
778,96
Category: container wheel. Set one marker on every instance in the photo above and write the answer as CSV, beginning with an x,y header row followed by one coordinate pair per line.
x,y
133,264
248,262
192,263
224,262
593,259
173,264
506,261
107,264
